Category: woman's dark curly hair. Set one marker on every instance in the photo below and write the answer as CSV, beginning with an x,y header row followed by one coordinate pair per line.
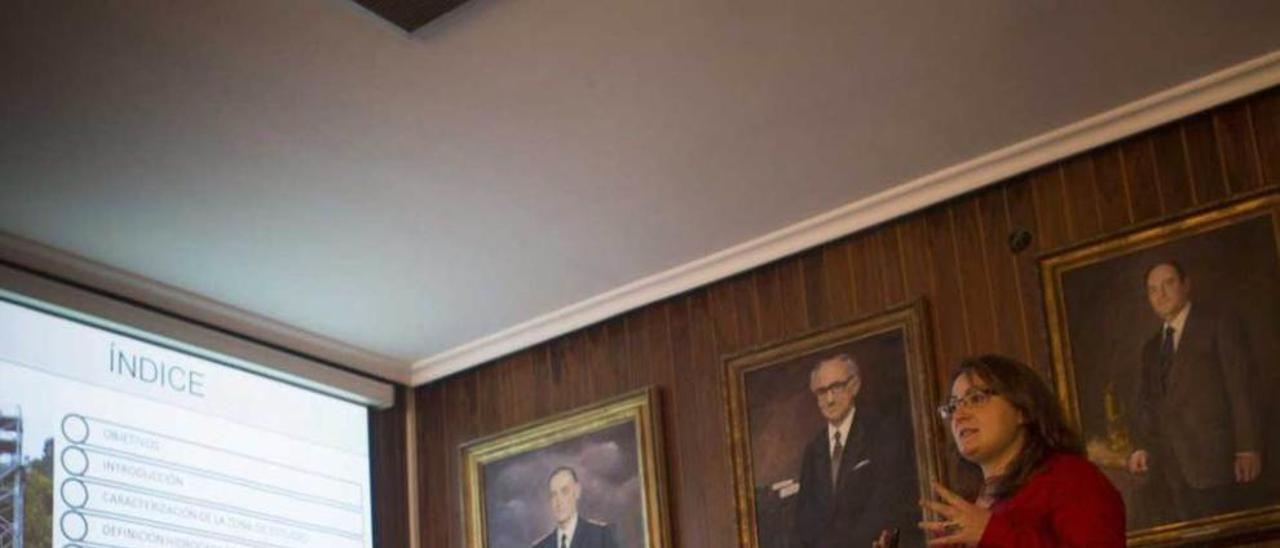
x,y
1046,430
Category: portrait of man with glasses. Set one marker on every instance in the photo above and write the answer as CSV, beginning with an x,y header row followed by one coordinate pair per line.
x,y
854,473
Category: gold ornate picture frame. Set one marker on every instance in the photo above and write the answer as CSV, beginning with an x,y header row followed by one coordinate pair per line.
x,y
774,419
613,452
1191,403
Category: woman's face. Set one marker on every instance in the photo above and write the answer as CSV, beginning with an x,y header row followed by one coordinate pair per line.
x,y
987,428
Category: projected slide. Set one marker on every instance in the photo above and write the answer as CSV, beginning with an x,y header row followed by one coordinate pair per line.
x,y
107,441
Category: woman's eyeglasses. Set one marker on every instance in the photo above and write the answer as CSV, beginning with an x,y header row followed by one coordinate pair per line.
x,y
973,400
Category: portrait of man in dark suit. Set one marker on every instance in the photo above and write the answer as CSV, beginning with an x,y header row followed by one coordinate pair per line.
x,y
851,486
831,442
572,530
1163,341
1196,425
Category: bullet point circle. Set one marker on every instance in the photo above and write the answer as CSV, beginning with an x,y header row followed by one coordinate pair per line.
x,y
74,526
74,493
74,461
75,428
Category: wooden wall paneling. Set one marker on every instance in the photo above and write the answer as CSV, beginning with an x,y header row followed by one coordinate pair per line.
x,y
1081,191
437,496
576,376
1020,208
972,272
661,369
949,307
595,358
724,318
680,399
983,297
865,260
486,397
639,353
540,358
816,298
459,415
1208,179
891,273
747,302
389,481
1265,113
561,398
791,291
1113,193
1171,169
916,270
708,433
1145,199
520,379
838,273
1236,147
1001,269
768,291
1050,202
619,357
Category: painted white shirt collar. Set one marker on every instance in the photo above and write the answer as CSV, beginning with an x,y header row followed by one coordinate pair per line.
x,y
842,430
567,532
1177,324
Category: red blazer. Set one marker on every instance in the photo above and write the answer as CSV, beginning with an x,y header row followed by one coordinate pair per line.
x,y
1067,503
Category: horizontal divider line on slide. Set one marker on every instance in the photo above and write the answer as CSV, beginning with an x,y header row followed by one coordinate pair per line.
x,y
92,545
340,505
219,507
290,467
182,530
111,468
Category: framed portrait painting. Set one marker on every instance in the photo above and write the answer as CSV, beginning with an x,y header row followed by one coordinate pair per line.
x,y
588,478
833,440
1165,340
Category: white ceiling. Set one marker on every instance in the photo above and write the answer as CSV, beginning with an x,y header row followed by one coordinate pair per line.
x,y
405,194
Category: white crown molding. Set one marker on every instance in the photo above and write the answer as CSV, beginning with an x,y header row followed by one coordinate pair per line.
x,y
1169,105
115,282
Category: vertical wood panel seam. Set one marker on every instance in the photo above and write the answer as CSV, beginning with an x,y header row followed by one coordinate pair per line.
x,y
671,402
1124,183
1254,147
1155,171
885,299
853,274
804,291
755,305
986,265
1017,275
964,307
902,259
1222,155
1066,202
1097,194
1186,159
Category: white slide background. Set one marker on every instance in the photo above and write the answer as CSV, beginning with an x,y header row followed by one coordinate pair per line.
x,y
238,461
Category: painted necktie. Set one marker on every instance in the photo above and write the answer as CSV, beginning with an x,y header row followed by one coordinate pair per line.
x,y
836,452
1166,357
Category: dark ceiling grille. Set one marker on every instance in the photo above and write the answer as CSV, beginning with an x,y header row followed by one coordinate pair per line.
x,y
410,14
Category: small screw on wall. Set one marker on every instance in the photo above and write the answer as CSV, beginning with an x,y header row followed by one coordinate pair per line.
x,y
1019,239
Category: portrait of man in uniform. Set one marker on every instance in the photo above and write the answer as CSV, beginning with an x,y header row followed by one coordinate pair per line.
x,y
586,478
572,530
